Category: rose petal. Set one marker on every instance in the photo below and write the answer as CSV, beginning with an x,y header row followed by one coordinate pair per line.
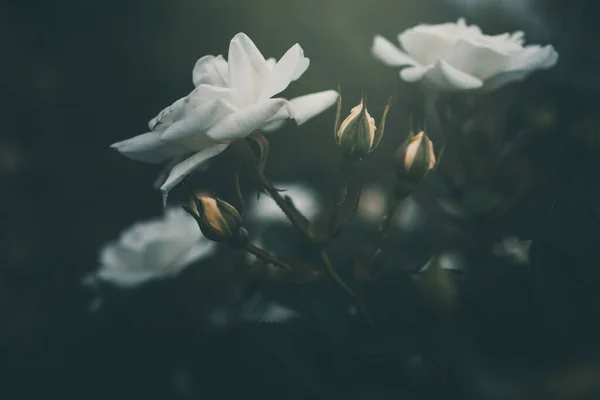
x,y
271,62
413,74
477,60
203,93
445,77
523,64
390,54
425,46
211,70
243,122
273,125
307,106
185,167
149,148
198,121
247,67
277,120
532,57
290,67
169,114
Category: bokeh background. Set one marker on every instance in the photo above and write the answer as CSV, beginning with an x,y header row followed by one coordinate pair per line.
x,y
78,75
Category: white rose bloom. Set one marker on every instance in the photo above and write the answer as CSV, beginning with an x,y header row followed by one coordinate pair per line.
x,y
454,56
153,249
265,209
232,98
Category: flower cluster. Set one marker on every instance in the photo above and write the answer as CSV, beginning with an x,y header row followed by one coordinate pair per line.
x,y
234,103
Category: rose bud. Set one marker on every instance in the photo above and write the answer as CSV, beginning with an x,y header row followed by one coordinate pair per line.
x,y
416,156
218,220
357,135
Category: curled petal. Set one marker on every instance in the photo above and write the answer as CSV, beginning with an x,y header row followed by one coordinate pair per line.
x,y
243,122
445,77
307,106
148,147
390,54
211,70
184,168
290,67
413,74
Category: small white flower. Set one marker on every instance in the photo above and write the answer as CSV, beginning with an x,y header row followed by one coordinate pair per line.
x,y
455,56
265,209
372,204
154,249
232,99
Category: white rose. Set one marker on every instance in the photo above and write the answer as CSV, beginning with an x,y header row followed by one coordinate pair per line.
x,y
154,249
232,98
454,56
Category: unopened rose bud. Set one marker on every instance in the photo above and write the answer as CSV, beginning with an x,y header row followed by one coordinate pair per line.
x,y
357,135
416,156
218,220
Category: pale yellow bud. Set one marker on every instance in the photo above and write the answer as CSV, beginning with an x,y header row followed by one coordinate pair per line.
x,y
416,156
356,134
217,219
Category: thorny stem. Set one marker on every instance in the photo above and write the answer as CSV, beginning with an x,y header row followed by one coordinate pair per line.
x,y
266,256
347,289
298,220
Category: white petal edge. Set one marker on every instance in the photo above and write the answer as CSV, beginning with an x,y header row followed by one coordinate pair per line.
x,y
247,65
307,106
148,147
184,168
169,114
389,54
290,67
241,123
210,70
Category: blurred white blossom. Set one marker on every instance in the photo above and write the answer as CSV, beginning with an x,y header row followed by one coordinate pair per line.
x,y
456,56
232,99
153,249
372,204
